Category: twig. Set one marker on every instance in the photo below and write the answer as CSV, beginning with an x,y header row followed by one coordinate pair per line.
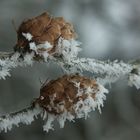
x,y
25,116
4,55
105,71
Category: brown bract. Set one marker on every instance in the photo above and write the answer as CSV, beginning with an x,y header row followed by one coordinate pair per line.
x,y
43,28
62,94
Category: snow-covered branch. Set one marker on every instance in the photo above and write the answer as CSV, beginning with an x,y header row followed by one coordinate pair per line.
x,y
105,71
4,55
110,69
12,60
24,116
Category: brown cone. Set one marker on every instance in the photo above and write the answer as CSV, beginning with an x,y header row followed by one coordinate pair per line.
x,y
60,94
43,28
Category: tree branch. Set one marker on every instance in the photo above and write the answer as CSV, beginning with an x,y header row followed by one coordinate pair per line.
x,y
105,71
4,55
25,116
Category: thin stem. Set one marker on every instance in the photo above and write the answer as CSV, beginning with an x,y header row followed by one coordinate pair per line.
x,y
110,70
4,55
25,116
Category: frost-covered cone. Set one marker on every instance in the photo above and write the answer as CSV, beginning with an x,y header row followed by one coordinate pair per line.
x,y
42,33
70,97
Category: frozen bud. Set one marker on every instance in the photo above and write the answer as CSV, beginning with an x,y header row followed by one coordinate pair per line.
x,y
69,97
41,30
75,94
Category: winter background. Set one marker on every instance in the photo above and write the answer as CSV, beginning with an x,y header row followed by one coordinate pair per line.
x,y
108,29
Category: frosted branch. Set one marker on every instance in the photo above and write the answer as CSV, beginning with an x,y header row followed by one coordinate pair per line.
x,y
109,68
25,116
4,55
12,60
105,71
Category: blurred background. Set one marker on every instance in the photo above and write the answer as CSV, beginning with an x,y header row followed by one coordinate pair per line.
x,y
108,29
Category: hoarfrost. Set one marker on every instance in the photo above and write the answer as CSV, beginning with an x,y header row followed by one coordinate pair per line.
x,y
111,71
28,36
33,46
41,49
68,48
7,64
48,124
26,117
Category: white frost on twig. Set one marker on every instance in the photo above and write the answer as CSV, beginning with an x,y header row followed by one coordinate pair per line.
x,y
7,64
111,71
48,123
27,60
25,116
12,62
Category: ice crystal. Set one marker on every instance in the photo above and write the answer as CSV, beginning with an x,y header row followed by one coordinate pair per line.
x,y
7,64
28,36
12,62
68,48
